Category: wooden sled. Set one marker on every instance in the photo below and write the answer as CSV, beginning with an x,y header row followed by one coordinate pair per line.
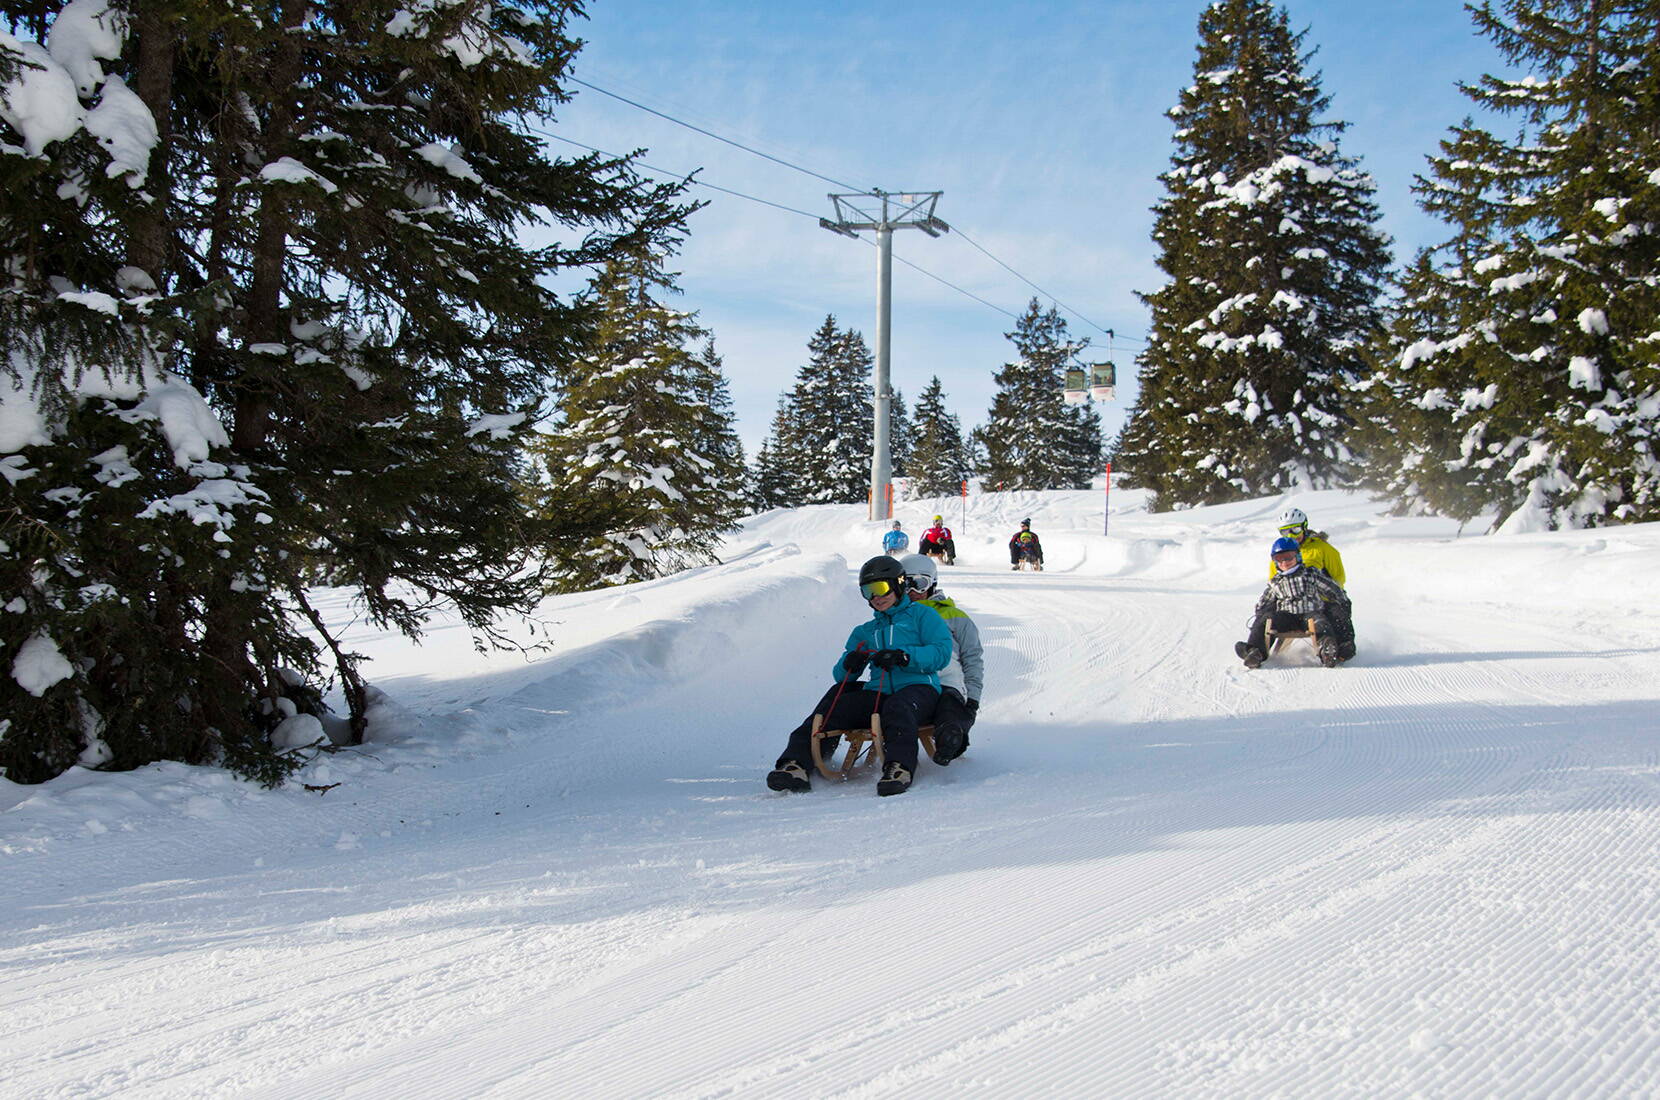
x,y
1278,640
1027,565
860,747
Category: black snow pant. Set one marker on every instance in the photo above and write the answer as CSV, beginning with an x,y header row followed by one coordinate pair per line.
x,y
1338,625
903,713
948,547
952,721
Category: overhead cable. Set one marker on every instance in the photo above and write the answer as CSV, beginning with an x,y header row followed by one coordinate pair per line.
x,y
1110,333
689,178
959,231
717,137
686,177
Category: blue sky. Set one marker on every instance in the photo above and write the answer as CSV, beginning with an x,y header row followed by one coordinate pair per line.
x,y
1042,122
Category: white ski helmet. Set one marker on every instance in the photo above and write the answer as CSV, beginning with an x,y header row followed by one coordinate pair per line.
x,y
921,574
1293,517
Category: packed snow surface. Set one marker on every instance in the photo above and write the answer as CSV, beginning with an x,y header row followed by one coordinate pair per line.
x,y
1430,872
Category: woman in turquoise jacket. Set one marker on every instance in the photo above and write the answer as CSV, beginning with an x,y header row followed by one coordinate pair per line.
x,y
904,646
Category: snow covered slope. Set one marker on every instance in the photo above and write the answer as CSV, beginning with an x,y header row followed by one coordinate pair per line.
x,y
1430,871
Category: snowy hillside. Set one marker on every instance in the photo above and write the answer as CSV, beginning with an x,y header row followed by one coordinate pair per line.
x,y
1155,873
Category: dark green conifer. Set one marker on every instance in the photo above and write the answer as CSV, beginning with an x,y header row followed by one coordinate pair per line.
x,y
1521,379
324,339
1032,439
644,426
1266,234
937,466
829,420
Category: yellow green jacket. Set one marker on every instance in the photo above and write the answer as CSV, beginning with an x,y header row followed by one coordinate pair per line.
x,y
1322,555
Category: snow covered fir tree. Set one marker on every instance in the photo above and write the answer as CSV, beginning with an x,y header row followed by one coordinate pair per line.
x,y
1267,234
645,425
819,449
939,460
1032,439
268,320
1522,378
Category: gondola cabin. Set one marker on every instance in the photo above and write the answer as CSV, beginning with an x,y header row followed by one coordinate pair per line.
x,y
1073,389
1103,382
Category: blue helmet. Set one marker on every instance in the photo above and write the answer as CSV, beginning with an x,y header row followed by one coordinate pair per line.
x,y
1286,546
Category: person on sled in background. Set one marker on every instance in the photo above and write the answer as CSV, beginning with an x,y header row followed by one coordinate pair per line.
x,y
904,646
895,541
1316,551
1025,546
937,540
961,681
1295,595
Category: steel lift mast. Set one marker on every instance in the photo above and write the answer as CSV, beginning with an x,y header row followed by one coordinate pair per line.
x,y
883,212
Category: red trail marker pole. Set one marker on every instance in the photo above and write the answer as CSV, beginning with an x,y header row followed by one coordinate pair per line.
x,y
1106,504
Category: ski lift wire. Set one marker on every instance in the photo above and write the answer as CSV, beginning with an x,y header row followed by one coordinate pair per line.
x,y
957,229
728,141
787,209
680,176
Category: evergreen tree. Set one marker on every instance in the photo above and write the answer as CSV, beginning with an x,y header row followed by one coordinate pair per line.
x,y
1032,439
268,307
774,474
1524,365
1267,235
901,435
646,426
937,466
830,420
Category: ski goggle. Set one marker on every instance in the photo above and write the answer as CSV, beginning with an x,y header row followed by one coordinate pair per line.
x,y
1286,561
1294,531
919,582
876,588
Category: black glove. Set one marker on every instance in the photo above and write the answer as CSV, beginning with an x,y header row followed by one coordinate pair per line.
x,y
973,706
890,658
854,663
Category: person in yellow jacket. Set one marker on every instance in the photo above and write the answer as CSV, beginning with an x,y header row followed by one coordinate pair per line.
x,y
1316,551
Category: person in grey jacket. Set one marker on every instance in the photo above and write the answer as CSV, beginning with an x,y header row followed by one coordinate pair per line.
x,y
961,681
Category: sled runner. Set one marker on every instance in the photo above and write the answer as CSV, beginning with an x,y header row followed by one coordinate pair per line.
x,y
862,747
1324,646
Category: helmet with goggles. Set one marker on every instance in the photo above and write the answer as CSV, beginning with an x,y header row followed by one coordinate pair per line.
x,y
921,573
1293,523
1287,554
881,576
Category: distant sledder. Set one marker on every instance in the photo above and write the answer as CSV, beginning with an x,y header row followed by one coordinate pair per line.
x,y
1299,602
905,644
895,541
1025,551
937,543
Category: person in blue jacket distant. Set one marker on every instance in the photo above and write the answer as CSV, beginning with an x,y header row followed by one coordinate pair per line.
x,y
905,645
896,540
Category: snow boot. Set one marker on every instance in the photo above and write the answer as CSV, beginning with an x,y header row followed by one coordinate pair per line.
x,y
1250,654
789,776
1345,651
1328,652
895,780
948,745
